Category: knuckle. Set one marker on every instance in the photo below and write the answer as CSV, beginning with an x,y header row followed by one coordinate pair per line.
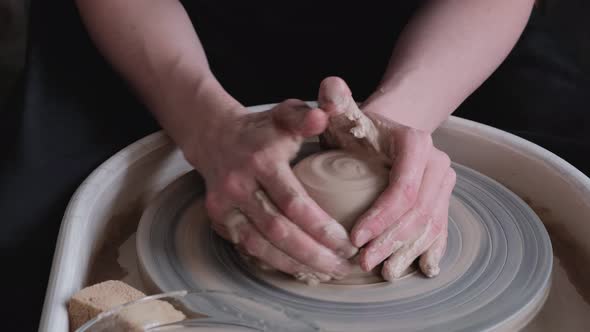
x,y
438,227
419,135
424,214
409,191
252,244
213,204
293,203
375,220
380,222
262,164
191,157
276,230
412,138
406,133
232,185
292,101
424,137
308,257
451,177
443,159
427,138
256,160
270,170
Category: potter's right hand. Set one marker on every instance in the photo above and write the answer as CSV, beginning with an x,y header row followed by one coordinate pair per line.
x,y
409,218
255,200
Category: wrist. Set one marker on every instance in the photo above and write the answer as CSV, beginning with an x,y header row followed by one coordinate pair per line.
x,y
210,112
408,109
193,112
386,104
210,105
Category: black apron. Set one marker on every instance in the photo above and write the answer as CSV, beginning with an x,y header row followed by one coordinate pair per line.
x,y
73,111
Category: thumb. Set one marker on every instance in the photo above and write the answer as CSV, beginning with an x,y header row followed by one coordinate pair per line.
x,y
349,128
298,118
335,98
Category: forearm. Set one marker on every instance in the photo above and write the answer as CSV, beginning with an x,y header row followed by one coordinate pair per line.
x,y
445,52
156,49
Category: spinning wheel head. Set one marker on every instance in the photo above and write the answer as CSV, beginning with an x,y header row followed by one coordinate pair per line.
x,y
494,275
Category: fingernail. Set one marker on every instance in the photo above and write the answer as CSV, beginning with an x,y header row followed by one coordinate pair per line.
x,y
335,230
386,274
337,99
393,269
431,271
341,270
352,251
397,272
369,262
338,234
347,252
334,90
363,237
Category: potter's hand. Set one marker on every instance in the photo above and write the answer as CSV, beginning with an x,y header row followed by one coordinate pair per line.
x,y
409,219
255,200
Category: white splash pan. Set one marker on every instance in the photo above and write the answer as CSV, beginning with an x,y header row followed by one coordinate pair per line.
x,y
555,189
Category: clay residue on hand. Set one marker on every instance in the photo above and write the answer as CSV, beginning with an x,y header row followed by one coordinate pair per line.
x,y
356,131
352,129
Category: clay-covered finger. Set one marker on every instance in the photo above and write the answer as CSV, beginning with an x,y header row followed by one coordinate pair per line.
x,y
413,150
430,259
253,244
290,239
420,235
221,200
432,187
349,128
290,197
231,225
225,217
380,248
223,231
402,258
417,229
429,192
335,97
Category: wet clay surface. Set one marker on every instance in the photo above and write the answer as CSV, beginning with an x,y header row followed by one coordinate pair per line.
x,y
120,227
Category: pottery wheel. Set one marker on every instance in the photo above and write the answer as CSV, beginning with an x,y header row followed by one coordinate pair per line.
x,y
495,273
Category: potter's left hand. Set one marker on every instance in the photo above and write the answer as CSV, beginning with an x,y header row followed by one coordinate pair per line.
x,y
409,219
